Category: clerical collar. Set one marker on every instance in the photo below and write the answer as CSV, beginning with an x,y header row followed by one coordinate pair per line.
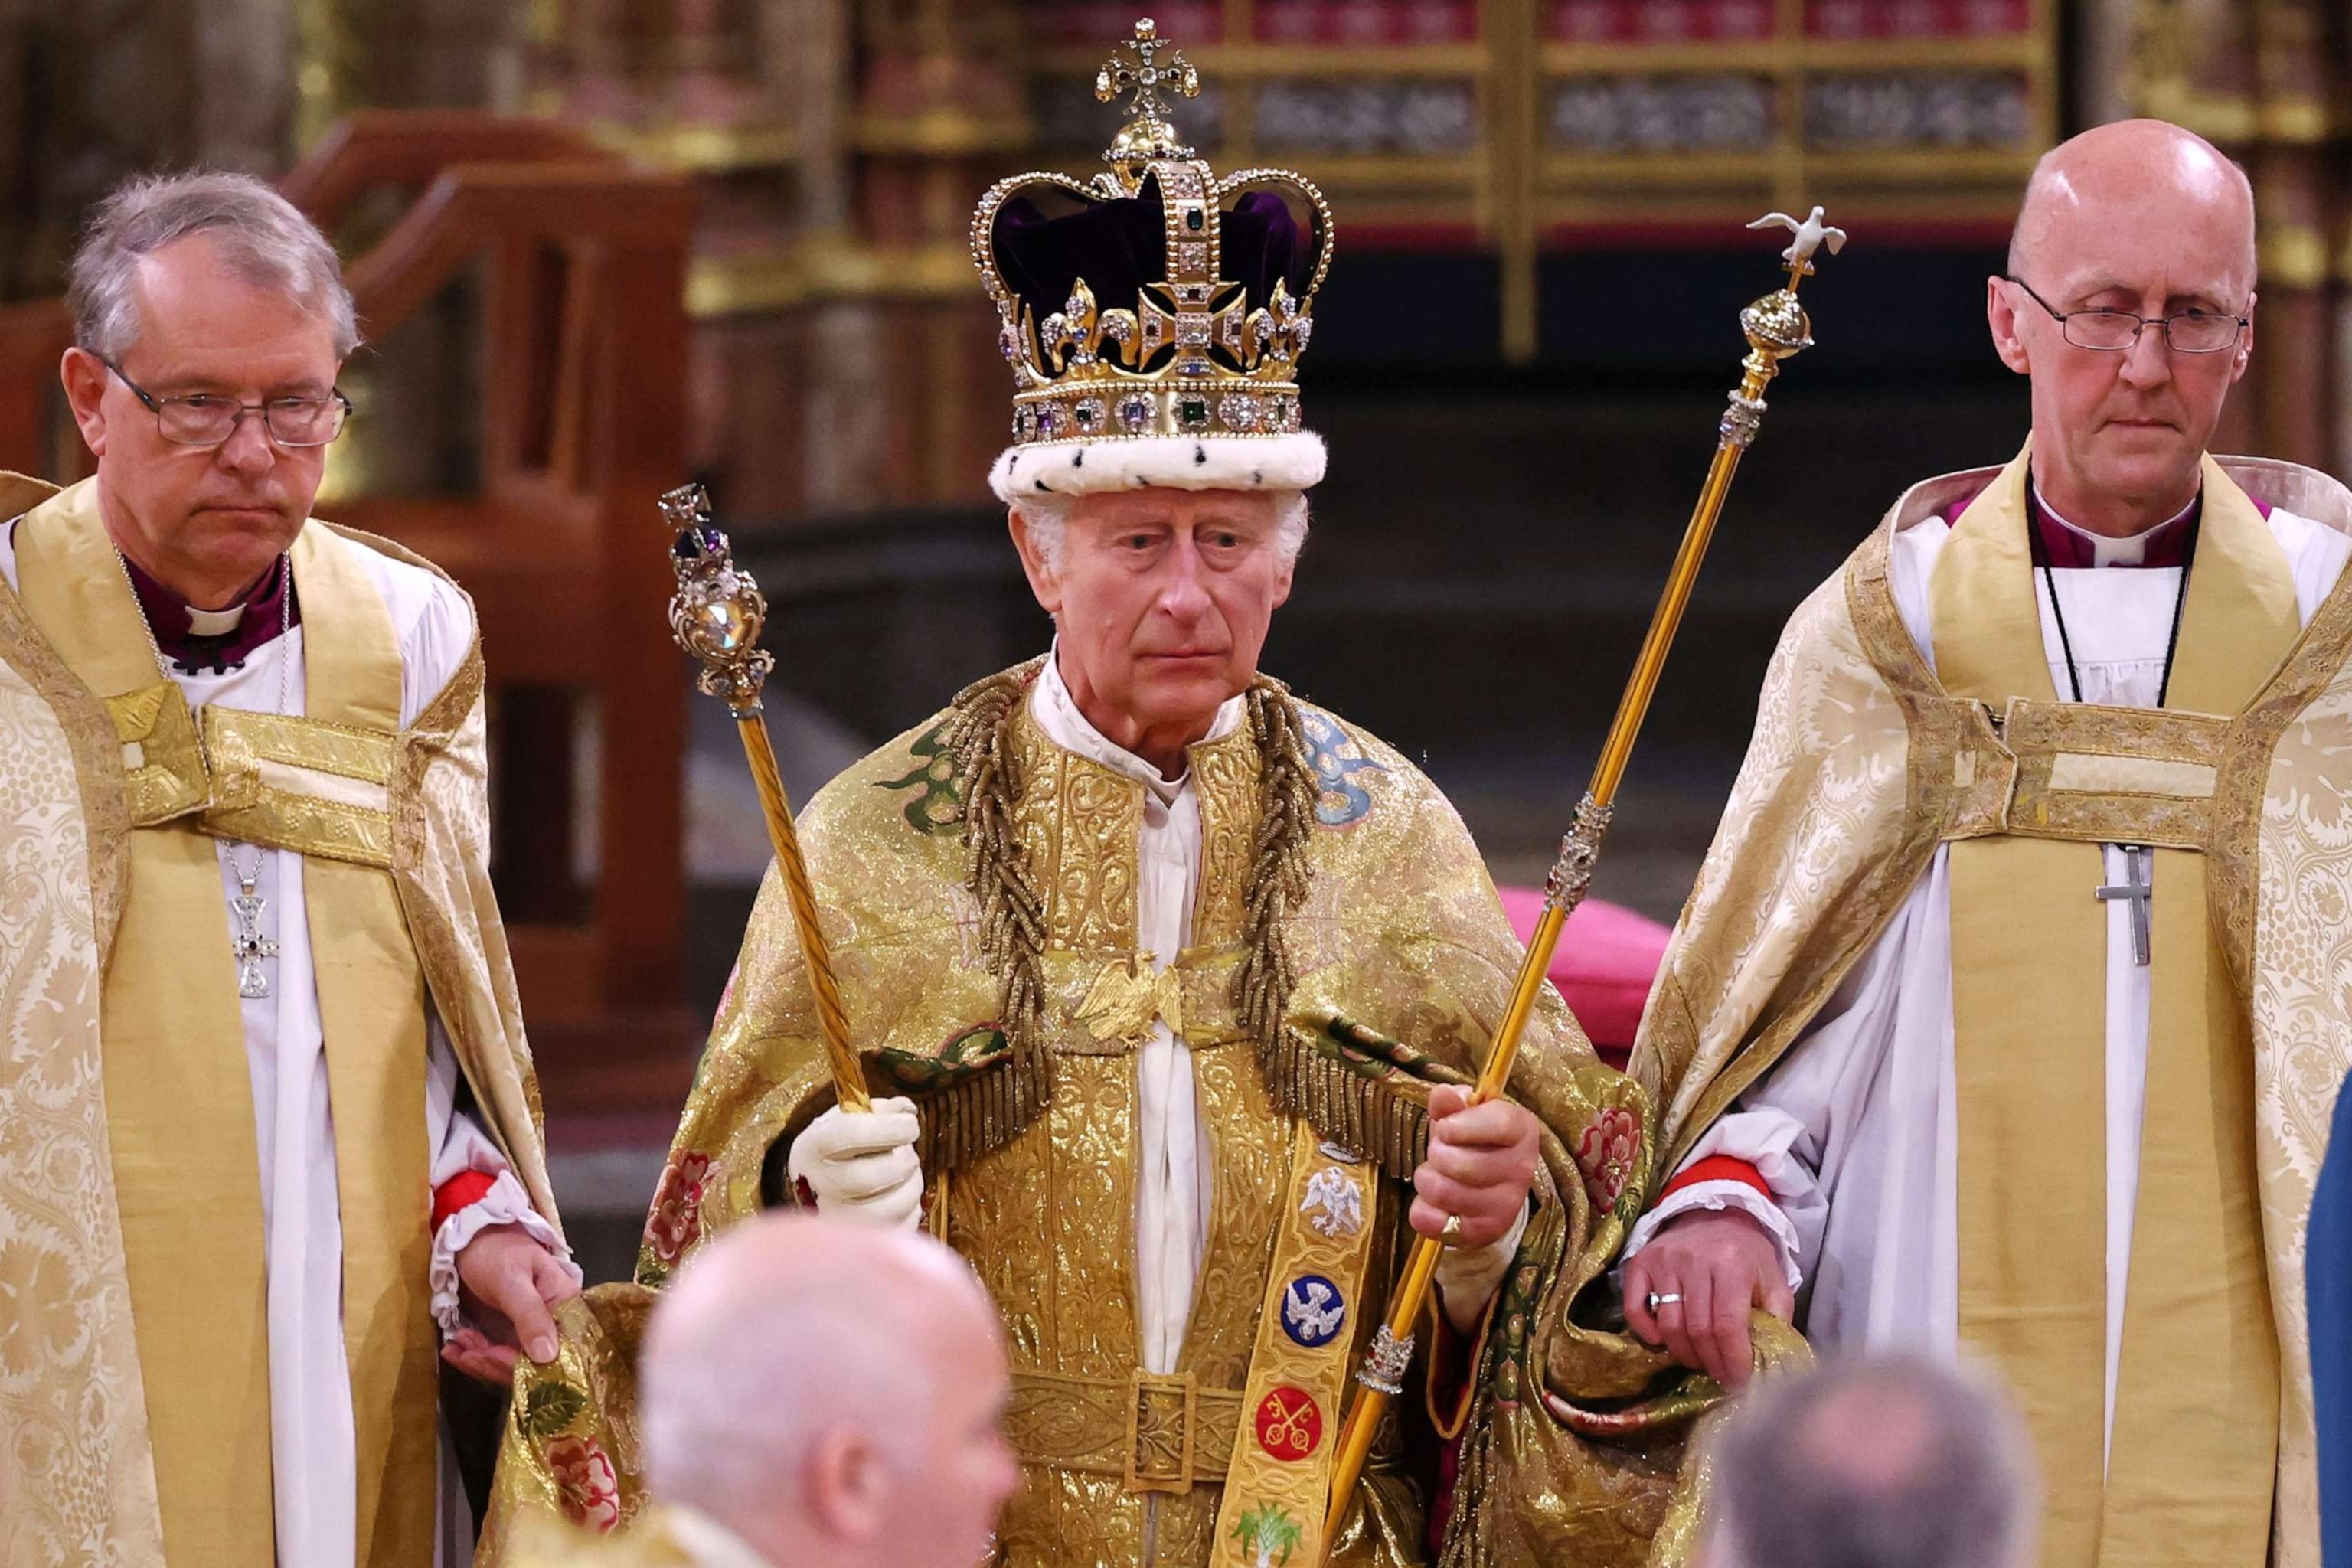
x,y
2066,544
213,640
1069,728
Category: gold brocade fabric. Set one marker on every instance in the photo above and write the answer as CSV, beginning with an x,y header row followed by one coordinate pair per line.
x,y
77,1468
545,1541
572,1453
171,1394
1404,961
1863,763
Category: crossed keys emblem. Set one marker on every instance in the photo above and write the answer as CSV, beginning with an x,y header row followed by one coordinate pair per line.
x,y
1288,1424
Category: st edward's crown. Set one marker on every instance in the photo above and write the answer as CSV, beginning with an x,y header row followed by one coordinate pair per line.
x,y
1154,317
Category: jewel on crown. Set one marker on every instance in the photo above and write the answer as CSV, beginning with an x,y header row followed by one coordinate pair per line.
x,y
1118,321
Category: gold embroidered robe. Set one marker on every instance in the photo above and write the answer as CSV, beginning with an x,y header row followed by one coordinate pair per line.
x,y
545,1541
134,1380
1403,960
1863,763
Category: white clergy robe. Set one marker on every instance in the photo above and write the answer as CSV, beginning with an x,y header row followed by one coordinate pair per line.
x,y
1172,1186
1855,1131
313,1461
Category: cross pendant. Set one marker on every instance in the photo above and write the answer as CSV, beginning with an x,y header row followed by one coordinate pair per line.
x,y
2136,887
248,946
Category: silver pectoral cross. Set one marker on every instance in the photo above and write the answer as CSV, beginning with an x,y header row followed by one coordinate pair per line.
x,y
248,946
2138,887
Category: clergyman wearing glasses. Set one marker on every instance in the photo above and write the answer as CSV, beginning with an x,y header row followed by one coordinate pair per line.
x,y
2008,1014
269,1154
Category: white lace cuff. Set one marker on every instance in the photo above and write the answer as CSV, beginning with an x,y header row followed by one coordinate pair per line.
x,y
1720,1195
1467,1280
505,1203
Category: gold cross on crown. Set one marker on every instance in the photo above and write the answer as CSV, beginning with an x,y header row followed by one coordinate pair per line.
x,y
1143,65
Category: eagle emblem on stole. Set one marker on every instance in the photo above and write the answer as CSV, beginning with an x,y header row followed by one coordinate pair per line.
x,y
1332,1206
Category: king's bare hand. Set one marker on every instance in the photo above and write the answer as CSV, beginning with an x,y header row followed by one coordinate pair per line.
x,y
1709,1268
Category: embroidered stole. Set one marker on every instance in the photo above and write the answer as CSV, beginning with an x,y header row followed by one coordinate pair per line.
x,y
1278,1477
2190,1477
180,1113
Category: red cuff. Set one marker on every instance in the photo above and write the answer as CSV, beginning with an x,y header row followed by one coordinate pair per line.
x,y
1719,1168
459,1193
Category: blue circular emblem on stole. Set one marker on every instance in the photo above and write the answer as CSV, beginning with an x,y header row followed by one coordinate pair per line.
x,y
1312,1311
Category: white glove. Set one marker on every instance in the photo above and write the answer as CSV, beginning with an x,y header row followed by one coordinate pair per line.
x,y
861,1167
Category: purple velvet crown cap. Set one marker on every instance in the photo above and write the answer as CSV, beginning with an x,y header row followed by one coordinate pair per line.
x,y
1119,245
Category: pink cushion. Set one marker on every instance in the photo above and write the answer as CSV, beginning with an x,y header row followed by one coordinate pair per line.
x,y
1607,958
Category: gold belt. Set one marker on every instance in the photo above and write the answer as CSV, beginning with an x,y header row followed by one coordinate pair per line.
x,y
276,781
2090,774
1157,1433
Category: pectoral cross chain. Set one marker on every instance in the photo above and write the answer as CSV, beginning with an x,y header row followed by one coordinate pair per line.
x,y
2138,887
248,946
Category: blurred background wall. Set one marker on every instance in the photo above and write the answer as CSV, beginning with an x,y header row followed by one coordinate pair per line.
x,y
608,244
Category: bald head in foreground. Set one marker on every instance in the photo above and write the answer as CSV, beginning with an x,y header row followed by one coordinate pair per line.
x,y
1883,1462
1958,1041
817,1395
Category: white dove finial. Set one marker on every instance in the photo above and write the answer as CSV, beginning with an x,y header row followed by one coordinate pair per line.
x,y
1810,235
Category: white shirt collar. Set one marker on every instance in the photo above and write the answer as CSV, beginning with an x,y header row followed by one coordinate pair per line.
x,y
2107,552
1057,712
709,1543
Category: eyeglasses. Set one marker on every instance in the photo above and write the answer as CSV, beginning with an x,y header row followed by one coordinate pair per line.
x,y
2113,331
208,419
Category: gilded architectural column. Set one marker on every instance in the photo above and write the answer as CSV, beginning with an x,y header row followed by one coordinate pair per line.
x,y
2269,81
116,97
938,117
244,103
419,54
16,133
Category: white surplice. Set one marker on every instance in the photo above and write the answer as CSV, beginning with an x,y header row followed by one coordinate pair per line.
x,y
314,1465
1856,1130
1172,1186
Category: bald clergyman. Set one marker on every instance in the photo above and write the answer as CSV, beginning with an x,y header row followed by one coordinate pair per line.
x,y
814,1394
2010,1009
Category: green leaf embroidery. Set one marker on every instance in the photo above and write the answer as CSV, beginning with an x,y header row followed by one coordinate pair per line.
x,y
552,1408
1268,1534
939,808
962,1057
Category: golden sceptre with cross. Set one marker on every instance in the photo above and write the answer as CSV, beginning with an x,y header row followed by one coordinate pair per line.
x,y
716,616
1775,327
